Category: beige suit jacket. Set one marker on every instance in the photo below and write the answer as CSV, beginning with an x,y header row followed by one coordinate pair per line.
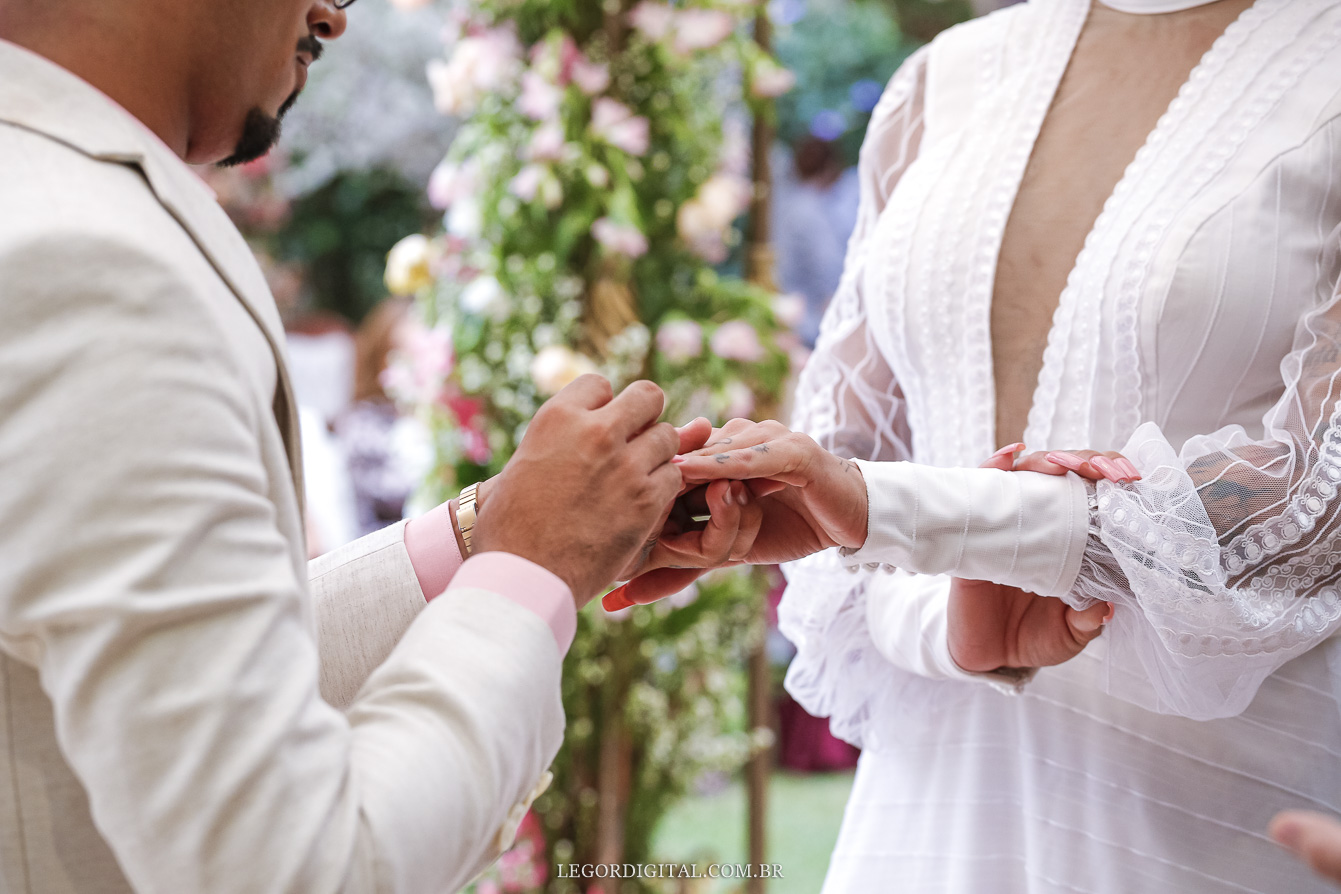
x,y
185,705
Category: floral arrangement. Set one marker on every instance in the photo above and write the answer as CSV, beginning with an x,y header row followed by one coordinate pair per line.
x,y
591,193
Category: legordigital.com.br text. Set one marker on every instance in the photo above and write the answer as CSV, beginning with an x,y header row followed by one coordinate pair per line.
x,y
670,870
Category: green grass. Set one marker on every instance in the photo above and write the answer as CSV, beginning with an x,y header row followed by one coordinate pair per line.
x,y
804,813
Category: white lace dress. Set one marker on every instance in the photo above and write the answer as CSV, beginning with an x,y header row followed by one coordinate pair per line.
x,y
1200,334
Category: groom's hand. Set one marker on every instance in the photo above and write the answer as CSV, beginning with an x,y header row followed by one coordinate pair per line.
x,y
791,498
589,485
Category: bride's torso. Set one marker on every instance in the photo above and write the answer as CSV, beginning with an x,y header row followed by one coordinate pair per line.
x,y
1165,288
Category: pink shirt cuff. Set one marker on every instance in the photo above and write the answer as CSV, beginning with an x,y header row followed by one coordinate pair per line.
x,y
431,542
528,585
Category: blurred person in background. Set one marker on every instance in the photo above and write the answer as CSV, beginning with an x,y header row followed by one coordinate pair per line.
x,y
386,451
813,218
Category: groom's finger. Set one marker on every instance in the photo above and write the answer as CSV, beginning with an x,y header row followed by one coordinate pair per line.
x,y
694,435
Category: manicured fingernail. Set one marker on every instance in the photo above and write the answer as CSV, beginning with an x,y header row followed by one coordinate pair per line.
x,y
729,498
1109,470
1287,834
744,496
616,600
1111,609
1066,461
678,459
1133,473
1008,449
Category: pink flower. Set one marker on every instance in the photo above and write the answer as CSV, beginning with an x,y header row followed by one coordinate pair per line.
x,y
771,80
479,64
680,340
450,182
547,142
739,400
420,364
701,29
620,238
615,123
539,99
737,340
590,77
527,183
652,19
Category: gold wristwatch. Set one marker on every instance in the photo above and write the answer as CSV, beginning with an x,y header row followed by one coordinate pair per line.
x,y
466,515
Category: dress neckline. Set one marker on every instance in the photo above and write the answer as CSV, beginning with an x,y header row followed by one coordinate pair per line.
x,y
1153,7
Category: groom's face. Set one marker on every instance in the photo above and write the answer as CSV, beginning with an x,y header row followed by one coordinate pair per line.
x,y
255,56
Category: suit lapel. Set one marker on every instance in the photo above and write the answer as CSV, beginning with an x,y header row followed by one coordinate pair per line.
x,y
38,95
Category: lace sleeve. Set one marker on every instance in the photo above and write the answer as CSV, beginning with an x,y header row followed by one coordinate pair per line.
x,y
848,400
1224,560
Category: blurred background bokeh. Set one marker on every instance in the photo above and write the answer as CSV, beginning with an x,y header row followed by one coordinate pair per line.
x,y
476,202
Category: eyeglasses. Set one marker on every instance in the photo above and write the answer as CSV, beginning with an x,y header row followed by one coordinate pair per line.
x,y
343,4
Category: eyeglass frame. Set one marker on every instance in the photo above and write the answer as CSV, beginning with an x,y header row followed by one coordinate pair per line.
x,y
343,4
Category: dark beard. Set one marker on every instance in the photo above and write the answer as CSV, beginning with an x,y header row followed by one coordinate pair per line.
x,y
260,134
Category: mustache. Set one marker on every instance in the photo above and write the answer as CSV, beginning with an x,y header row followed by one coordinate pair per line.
x,y
311,46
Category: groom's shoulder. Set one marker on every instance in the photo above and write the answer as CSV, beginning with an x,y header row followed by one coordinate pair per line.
x,y
49,190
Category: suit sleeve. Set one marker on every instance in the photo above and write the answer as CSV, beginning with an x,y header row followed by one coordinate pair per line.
x,y
148,581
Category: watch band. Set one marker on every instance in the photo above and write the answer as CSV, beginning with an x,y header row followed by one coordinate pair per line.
x,y
466,515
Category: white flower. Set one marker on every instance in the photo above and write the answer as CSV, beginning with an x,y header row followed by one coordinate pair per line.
x,y
615,123
701,29
547,142
556,366
680,340
771,80
539,98
790,310
408,265
590,77
652,19
737,340
620,238
465,219
739,400
702,222
483,295
597,175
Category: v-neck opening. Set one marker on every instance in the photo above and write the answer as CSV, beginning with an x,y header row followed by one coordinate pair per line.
x,y
1037,430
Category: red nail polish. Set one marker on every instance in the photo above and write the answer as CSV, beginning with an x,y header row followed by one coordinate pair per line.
x,y
616,600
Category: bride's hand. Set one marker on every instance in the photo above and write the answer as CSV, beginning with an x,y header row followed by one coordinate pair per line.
x,y
992,626
790,498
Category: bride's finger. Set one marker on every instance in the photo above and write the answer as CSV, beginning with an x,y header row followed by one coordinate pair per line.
x,y
1003,459
1090,464
740,433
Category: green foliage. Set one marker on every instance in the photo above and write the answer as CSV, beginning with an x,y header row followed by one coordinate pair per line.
x,y
342,232
587,199
833,47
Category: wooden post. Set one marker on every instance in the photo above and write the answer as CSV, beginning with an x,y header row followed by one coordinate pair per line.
x,y
759,268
